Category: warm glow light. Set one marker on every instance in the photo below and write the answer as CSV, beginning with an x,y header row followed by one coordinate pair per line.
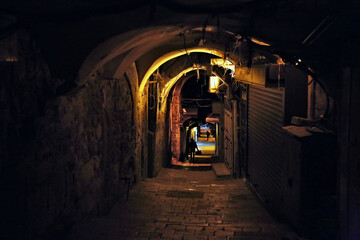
x,y
258,42
214,84
173,55
194,134
207,29
171,82
223,63
9,59
280,61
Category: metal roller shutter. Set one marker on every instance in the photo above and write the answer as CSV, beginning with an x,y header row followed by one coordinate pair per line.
x,y
265,119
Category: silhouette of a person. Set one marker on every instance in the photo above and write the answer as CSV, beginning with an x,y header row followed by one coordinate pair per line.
x,y
192,147
207,135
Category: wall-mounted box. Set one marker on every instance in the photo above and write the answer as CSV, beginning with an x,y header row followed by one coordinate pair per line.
x,y
268,75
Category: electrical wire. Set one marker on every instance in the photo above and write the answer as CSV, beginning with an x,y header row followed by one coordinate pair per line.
x,y
184,37
154,102
188,101
198,104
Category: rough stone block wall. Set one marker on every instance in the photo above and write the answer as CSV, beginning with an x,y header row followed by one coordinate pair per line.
x,y
162,145
140,119
64,155
87,138
25,87
142,127
175,128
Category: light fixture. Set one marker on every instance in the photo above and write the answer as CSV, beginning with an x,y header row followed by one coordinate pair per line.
x,y
214,84
223,63
8,59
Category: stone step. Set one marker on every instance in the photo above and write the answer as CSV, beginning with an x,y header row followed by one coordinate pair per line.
x,y
220,169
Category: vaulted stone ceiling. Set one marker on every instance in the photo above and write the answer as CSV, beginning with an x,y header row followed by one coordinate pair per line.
x,y
320,32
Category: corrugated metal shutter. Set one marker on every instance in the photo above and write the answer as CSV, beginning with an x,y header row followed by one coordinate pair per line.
x,y
265,119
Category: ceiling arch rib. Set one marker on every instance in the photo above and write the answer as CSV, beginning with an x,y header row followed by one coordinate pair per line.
x,y
151,47
126,42
136,43
170,84
174,54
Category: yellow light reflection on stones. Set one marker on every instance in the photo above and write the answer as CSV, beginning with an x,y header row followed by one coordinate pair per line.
x,y
169,84
223,63
172,55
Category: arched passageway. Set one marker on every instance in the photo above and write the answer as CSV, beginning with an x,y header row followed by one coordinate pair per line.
x,y
94,103
258,95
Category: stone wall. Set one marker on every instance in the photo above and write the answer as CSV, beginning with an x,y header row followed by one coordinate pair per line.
x,y
162,146
175,127
177,139
140,119
63,156
25,88
83,153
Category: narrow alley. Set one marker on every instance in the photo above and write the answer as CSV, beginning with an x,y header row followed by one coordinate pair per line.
x,y
185,204
180,119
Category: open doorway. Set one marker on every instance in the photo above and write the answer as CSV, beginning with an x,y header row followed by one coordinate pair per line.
x,y
206,139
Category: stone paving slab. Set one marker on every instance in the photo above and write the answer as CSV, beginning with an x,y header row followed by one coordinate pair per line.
x,y
227,210
220,169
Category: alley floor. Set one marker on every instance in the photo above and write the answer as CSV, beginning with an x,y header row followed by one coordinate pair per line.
x,y
185,204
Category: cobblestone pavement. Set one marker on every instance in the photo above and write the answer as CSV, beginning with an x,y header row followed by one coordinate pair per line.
x,y
184,204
